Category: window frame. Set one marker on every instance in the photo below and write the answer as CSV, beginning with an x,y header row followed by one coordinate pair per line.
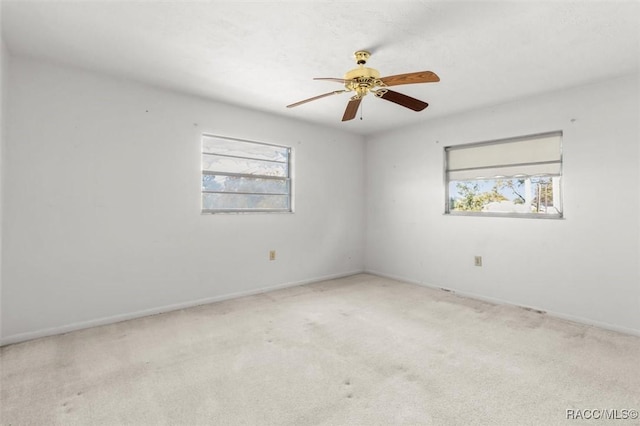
x,y
449,212
288,178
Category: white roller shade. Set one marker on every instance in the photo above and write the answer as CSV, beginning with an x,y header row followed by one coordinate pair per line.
x,y
534,156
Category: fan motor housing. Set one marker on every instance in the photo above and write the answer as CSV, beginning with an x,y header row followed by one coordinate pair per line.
x,y
362,72
362,80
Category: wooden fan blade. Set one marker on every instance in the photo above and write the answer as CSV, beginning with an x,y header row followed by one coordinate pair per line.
x,y
336,92
411,78
352,109
339,80
404,100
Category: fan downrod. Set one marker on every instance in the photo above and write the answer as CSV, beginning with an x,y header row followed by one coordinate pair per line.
x,y
362,56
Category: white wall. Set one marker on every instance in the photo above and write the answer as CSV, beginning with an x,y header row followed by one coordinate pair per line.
x,y
102,203
4,57
585,267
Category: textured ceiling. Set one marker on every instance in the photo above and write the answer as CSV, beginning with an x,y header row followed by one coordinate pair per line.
x,y
263,55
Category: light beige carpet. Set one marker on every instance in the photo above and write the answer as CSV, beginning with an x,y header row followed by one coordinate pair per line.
x,y
361,350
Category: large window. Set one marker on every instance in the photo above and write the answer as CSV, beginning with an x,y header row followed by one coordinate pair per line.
x,y
244,176
512,177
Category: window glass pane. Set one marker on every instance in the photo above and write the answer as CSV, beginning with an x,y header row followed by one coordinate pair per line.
x,y
238,148
244,202
243,166
243,176
533,195
222,183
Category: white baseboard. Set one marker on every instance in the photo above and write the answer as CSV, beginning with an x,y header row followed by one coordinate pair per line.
x,y
560,315
30,335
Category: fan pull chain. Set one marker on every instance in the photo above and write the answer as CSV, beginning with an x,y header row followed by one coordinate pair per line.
x,y
361,110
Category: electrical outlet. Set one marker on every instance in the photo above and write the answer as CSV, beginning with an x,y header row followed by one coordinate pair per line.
x,y
272,255
478,260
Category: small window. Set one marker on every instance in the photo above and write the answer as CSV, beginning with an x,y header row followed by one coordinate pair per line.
x,y
244,176
517,177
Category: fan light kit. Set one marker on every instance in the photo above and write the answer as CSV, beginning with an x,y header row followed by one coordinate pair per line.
x,y
364,80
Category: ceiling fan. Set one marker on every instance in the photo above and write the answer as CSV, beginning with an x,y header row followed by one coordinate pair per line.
x,y
363,80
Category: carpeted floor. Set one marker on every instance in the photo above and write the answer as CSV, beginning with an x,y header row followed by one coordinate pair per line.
x,y
361,350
